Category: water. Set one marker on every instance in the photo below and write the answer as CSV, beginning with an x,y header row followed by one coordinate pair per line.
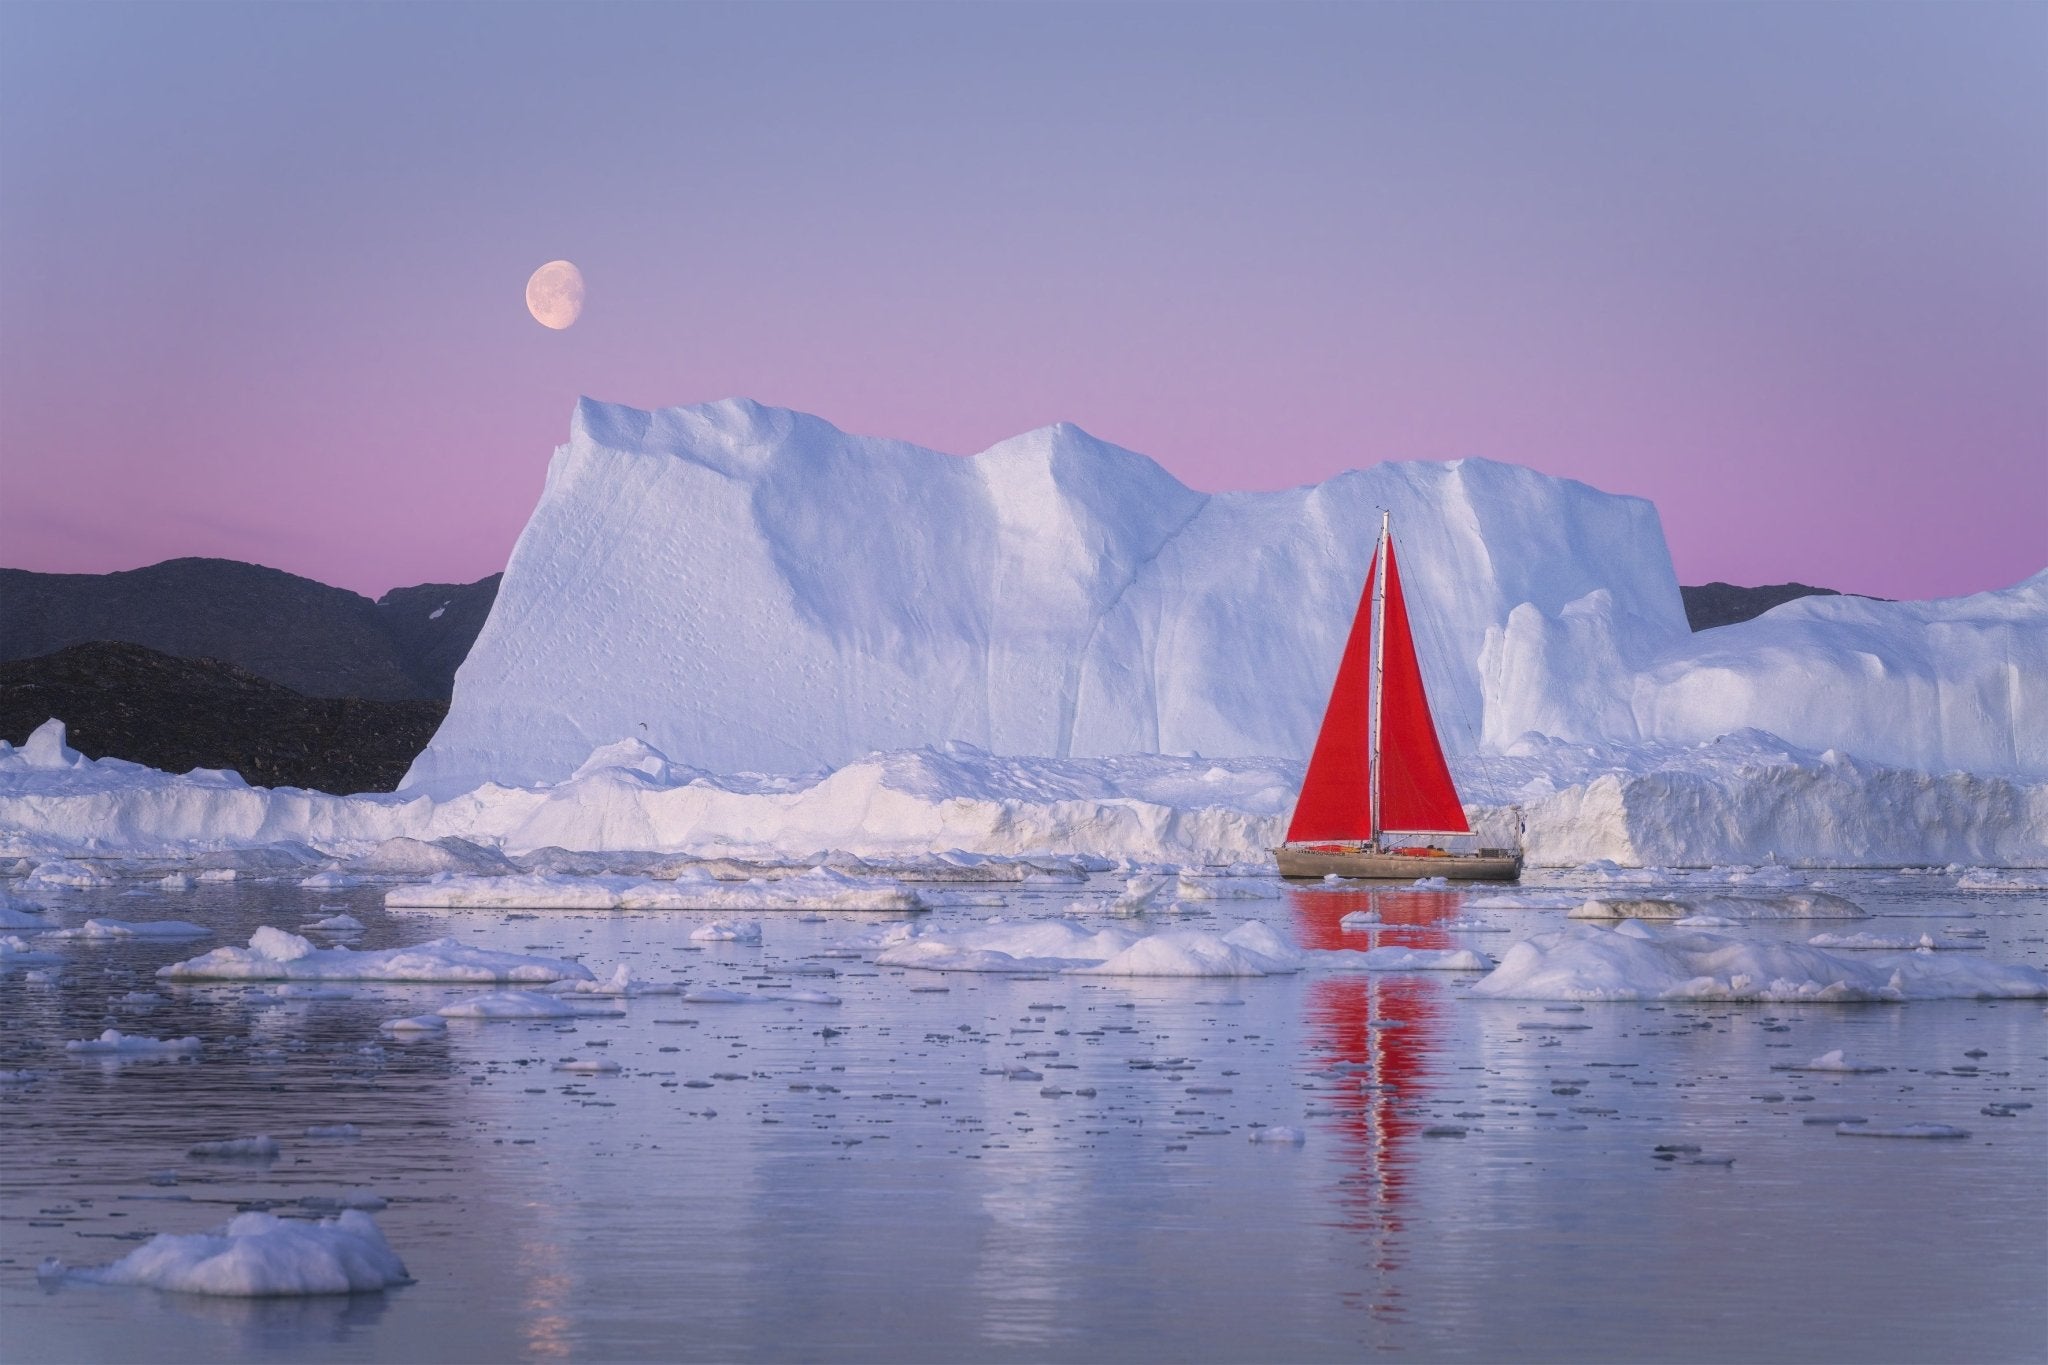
x,y
926,1206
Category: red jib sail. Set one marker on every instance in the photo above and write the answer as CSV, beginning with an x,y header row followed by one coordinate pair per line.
x,y
1336,796
1416,792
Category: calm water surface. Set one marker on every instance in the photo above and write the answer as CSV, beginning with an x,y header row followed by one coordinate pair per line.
x,y
868,1182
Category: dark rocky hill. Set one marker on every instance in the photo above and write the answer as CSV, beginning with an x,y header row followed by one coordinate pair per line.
x,y
124,701
1724,604
312,638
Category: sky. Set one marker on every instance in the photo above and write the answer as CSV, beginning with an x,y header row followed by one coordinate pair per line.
x,y
1781,268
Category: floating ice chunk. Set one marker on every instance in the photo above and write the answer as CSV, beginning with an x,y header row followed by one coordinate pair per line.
x,y
175,881
65,872
261,1147
115,1041
1143,892
347,1132
1904,1130
417,1023
588,1066
531,891
1637,962
1524,900
101,929
620,983
1194,887
337,924
1394,959
2003,879
1803,905
15,952
822,889
803,997
716,995
1889,943
403,857
257,1255
331,880
274,955
1361,919
1251,949
728,931
218,874
1830,1061
509,1005
1431,884
1006,946
1278,1133
12,918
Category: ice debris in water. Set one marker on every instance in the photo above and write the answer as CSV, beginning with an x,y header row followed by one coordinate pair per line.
x,y
344,1131
1361,919
1638,962
94,929
274,955
1804,905
417,1023
1830,1061
620,983
728,931
1894,943
337,924
1278,1133
1904,1130
260,1147
1062,945
589,1066
256,1255
819,889
115,1041
509,1005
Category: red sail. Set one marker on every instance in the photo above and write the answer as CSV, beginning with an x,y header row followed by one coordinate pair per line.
x,y
1336,796
1416,792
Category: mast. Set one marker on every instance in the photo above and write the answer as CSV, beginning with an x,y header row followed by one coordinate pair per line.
x,y
1379,664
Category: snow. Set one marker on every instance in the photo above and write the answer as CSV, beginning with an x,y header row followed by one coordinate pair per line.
x,y
258,1255
274,955
1638,962
116,1042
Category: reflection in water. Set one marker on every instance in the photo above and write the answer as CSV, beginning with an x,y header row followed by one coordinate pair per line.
x,y
1377,1030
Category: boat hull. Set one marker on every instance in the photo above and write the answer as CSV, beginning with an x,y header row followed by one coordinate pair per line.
x,y
1309,863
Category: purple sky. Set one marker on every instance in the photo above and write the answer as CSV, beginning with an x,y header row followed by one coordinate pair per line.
x,y
1783,269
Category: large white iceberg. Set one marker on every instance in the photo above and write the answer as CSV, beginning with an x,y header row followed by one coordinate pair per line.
x,y
751,589
257,1255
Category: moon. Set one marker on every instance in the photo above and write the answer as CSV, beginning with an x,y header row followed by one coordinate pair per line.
x,y
554,294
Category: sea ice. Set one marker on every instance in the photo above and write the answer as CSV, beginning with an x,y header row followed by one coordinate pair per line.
x,y
119,928
1638,962
1831,1061
1803,905
115,1041
262,1146
509,1005
728,931
257,1255
274,955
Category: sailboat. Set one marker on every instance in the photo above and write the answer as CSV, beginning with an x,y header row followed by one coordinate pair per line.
x,y
1378,800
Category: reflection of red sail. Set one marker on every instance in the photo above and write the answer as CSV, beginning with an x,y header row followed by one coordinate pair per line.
x,y
1416,791
1380,1028
1335,795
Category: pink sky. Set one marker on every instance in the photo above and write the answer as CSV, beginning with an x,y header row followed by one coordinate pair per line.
x,y
1783,270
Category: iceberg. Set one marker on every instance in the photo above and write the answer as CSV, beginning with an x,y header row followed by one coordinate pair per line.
x,y
274,955
256,1255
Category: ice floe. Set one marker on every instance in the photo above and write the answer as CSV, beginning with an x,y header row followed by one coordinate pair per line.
x,y
260,1147
113,1041
1831,1061
95,929
1730,909
510,1005
728,931
275,955
1065,945
256,1255
1638,962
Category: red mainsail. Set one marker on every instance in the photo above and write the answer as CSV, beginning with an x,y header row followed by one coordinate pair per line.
x,y
1415,788
1416,791
1336,796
